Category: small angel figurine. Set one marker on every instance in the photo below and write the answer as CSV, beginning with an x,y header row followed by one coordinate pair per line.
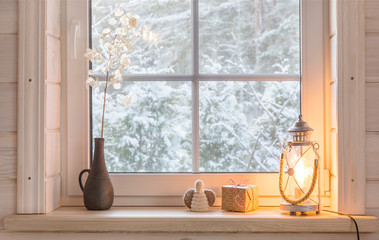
x,y
199,201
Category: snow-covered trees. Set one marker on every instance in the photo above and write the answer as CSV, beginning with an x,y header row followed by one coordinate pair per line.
x,y
242,123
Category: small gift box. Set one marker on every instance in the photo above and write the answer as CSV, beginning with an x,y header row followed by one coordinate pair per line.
x,y
239,197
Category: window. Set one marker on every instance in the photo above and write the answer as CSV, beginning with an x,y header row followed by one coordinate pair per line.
x,y
215,78
214,91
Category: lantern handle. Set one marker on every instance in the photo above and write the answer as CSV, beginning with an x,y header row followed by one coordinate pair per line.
x,y
281,180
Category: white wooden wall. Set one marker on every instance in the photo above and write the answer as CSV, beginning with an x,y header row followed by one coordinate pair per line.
x,y
8,107
53,105
331,93
372,106
8,103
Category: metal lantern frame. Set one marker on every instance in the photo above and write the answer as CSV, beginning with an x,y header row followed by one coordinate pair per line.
x,y
300,138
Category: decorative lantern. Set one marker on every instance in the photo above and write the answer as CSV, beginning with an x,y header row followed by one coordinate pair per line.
x,y
299,170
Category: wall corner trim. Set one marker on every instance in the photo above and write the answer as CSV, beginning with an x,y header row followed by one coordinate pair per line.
x,y
351,106
30,115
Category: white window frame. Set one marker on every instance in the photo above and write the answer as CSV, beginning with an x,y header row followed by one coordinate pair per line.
x,y
167,189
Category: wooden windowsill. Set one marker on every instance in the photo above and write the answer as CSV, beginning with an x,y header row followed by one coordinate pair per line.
x,y
180,219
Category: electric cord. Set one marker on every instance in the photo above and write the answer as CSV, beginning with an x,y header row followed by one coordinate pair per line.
x,y
349,216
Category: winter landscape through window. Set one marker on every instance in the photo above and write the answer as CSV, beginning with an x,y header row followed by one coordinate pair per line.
x,y
214,90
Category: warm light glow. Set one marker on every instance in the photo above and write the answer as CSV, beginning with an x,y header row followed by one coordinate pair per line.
x,y
302,173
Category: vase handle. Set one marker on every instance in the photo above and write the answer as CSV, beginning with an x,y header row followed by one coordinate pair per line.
x,y
80,178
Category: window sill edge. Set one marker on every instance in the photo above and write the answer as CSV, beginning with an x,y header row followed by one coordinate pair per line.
x,y
180,219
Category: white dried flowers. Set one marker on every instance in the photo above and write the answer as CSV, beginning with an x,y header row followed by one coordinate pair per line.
x,y
116,39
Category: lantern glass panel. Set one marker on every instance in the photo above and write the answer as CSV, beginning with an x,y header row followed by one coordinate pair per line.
x,y
299,171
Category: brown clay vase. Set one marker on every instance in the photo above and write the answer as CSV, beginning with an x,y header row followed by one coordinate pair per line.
x,y
98,190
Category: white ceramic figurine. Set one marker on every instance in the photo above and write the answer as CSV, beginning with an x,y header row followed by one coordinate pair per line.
x,y
199,201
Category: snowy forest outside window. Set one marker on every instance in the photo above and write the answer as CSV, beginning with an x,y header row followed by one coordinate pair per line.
x,y
215,91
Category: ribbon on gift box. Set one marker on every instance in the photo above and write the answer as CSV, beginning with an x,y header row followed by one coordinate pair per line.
x,y
237,184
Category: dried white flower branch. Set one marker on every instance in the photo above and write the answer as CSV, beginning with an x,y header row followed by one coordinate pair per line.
x,y
117,38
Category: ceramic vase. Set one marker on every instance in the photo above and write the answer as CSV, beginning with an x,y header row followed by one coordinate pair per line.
x,y
98,190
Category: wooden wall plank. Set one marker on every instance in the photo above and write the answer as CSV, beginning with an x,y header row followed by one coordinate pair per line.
x,y
53,96
8,16
372,194
351,111
52,153
372,57
8,140
53,59
7,199
333,105
53,110
53,17
333,58
8,164
333,17
8,106
333,153
8,58
372,106
372,156
52,196
372,15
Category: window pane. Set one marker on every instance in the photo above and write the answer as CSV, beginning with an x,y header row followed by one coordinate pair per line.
x,y
153,133
244,36
243,124
166,25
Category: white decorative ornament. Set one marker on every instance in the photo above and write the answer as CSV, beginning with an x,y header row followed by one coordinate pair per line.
x,y
107,46
117,85
119,11
120,31
199,201
96,55
91,82
89,54
112,21
124,20
124,60
127,100
106,31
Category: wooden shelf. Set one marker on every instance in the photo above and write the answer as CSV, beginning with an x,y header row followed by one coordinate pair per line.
x,y
180,219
